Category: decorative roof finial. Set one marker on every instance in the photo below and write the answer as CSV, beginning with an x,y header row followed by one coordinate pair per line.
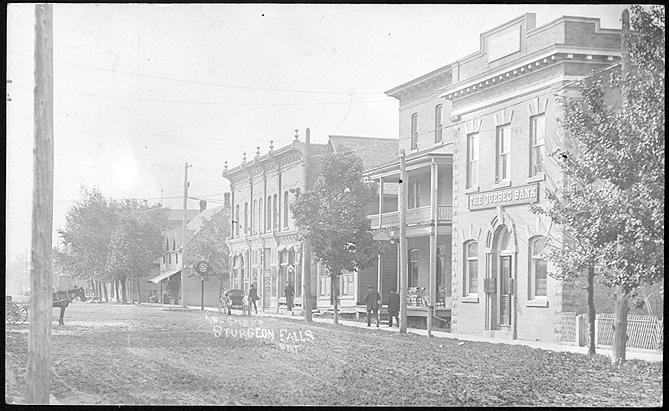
x,y
271,145
296,134
225,166
257,151
244,157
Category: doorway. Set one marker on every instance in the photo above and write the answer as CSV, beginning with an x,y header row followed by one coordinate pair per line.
x,y
501,312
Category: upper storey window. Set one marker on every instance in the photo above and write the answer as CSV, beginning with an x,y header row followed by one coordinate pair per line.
x,y
414,131
438,123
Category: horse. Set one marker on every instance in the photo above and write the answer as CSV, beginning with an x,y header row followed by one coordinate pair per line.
x,y
62,299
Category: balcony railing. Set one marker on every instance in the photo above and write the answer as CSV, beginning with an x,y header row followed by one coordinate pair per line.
x,y
413,216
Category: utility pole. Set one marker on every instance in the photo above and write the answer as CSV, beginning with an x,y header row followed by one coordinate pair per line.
x,y
39,340
403,245
183,235
306,249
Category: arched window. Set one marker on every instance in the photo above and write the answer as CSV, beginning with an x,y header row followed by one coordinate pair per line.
x,y
471,280
413,268
167,244
268,220
235,229
275,219
538,267
246,218
176,256
260,215
253,216
285,209
174,244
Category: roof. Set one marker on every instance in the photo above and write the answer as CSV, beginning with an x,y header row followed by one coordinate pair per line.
x,y
197,221
372,150
178,215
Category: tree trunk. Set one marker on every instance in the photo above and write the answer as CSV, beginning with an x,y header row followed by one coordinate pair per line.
x,y
139,291
620,327
335,298
591,311
104,289
124,295
116,290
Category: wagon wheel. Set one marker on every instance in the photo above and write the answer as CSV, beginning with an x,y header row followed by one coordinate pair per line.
x,y
22,315
12,315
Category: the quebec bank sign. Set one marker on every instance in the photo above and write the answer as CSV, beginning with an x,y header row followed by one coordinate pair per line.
x,y
504,197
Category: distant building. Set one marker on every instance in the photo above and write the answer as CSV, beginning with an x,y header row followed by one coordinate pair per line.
x,y
168,277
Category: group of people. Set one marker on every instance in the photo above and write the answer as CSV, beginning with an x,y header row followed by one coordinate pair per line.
x,y
373,304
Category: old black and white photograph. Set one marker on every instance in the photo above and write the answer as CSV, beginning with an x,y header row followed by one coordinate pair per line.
x,y
247,204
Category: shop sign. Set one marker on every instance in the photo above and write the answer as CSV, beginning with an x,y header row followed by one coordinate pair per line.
x,y
504,197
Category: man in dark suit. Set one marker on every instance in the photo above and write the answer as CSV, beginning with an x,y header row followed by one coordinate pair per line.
x,y
393,308
372,300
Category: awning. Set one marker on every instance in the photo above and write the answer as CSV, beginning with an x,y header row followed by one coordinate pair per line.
x,y
163,276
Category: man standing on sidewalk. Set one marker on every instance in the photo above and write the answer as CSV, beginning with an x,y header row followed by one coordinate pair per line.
x,y
393,308
289,292
372,300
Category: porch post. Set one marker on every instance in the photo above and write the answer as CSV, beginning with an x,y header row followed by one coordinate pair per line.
x,y
433,249
379,263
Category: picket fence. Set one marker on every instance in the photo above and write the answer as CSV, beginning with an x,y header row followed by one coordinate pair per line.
x,y
643,331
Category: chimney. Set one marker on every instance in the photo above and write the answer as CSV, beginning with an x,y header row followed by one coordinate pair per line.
x,y
226,200
203,205
307,135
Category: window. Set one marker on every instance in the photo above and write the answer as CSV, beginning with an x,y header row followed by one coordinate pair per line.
x,y
472,160
324,283
414,131
538,267
537,142
169,258
438,123
174,244
176,256
254,223
346,284
163,258
503,153
471,268
413,268
167,245
274,213
260,214
246,218
268,214
236,225
285,209
414,200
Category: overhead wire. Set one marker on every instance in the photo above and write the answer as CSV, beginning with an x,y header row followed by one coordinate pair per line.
x,y
206,83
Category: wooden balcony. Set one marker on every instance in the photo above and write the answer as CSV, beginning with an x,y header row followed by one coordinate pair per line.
x,y
419,215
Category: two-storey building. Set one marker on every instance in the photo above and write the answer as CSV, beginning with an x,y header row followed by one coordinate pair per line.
x,y
264,246
476,135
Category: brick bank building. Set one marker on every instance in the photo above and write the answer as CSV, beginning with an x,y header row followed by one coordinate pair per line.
x,y
476,134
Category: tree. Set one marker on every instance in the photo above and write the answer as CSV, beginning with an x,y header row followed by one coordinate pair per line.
x,y
580,210
616,124
135,244
208,244
88,228
332,218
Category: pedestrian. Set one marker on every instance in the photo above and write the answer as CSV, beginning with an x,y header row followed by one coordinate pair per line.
x,y
289,292
253,297
372,300
393,308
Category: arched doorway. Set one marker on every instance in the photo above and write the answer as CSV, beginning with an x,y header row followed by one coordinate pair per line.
x,y
503,269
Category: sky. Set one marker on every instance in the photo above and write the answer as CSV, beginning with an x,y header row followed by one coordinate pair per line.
x,y
140,89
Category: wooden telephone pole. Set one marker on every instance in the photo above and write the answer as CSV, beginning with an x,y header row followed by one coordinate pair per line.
x,y
403,245
183,235
39,355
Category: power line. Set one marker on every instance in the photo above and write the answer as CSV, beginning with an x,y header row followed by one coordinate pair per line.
x,y
207,83
221,103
